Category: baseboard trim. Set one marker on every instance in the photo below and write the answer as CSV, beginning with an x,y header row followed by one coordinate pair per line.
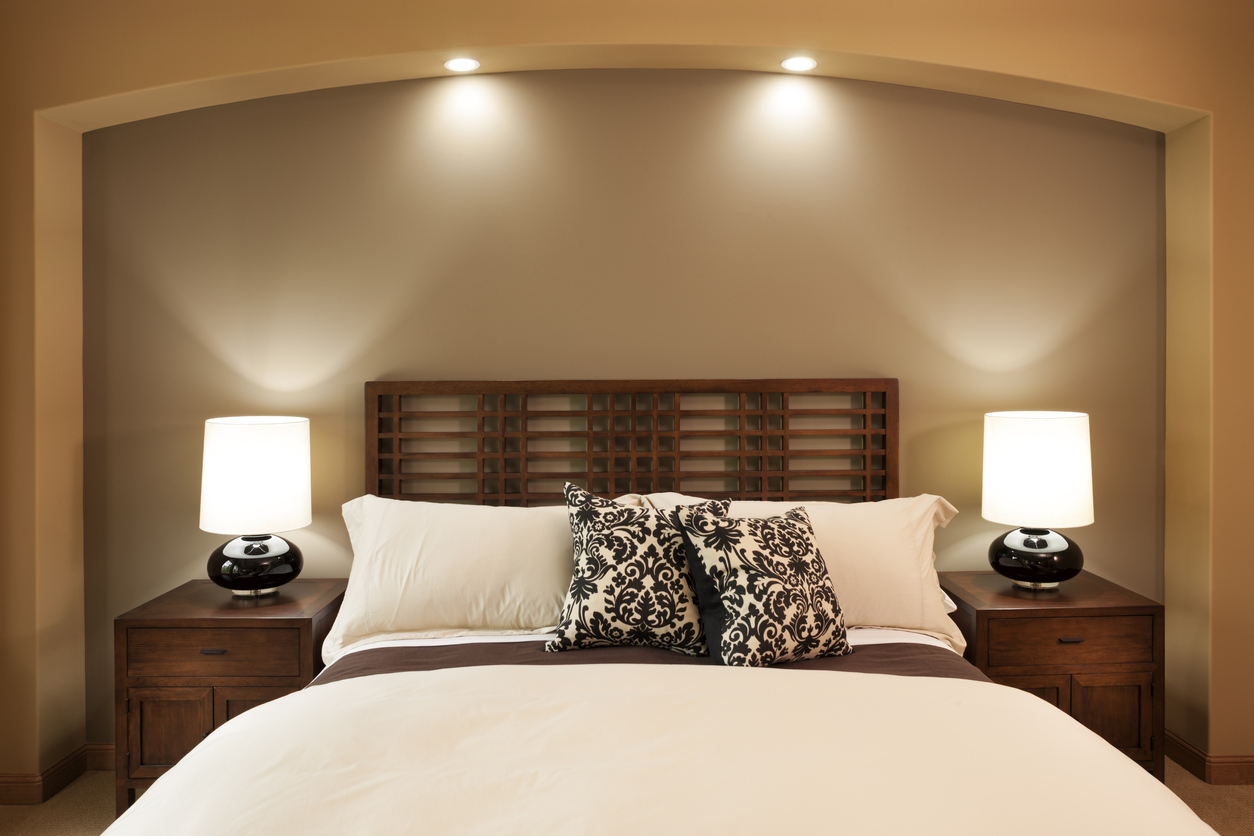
x,y
1186,754
100,757
20,788
28,788
1213,769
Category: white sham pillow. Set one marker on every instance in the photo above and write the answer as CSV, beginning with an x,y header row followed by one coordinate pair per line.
x,y
425,567
671,501
879,556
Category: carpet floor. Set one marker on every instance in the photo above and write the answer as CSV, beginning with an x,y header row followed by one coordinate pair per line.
x,y
1228,809
85,807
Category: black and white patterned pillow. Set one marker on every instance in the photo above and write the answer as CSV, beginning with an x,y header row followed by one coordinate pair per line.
x,y
632,585
764,591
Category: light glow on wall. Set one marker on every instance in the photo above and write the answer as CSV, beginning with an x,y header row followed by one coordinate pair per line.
x,y
783,120
314,311
791,103
471,132
978,328
472,108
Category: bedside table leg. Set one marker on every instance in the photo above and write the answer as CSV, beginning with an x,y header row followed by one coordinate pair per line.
x,y
125,798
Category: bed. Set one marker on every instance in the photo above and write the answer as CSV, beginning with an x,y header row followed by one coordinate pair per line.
x,y
478,682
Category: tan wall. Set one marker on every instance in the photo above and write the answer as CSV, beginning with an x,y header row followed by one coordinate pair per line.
x,y
1132,54
58,406
272,255
1188,449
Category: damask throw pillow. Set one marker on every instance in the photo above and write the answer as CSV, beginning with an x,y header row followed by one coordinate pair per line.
x,y
631,585
764,591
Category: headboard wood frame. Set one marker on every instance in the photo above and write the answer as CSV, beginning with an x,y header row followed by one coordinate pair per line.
x,y
515,442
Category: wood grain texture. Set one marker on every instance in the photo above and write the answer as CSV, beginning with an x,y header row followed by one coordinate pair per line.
x,y
1071,641
1091,648
1087,593
515,442
1119,707
230,702
203,601
163,725
169,694
1055,689
231,651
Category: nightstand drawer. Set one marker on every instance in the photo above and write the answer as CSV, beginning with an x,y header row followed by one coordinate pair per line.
x,y
1095,640
240,651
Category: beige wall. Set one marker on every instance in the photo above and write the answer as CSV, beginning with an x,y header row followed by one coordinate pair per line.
x,y
1189,390
272,255
58,409
1149,62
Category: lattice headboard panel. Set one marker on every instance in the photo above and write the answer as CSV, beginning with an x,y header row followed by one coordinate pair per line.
x,y
516,442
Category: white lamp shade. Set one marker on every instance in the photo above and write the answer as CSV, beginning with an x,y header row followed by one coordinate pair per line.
x,y
1038,472
255,478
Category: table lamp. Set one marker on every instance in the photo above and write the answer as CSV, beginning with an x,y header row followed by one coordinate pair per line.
x,y
255,479
1038,475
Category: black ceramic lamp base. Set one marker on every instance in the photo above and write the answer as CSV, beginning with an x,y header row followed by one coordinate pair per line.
x,y
255,565
1036,558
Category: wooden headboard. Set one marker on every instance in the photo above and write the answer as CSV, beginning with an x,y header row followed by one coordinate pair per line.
x,y
516,442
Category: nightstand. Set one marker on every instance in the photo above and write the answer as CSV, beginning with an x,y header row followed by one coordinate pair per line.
x,y
190,660
1091,648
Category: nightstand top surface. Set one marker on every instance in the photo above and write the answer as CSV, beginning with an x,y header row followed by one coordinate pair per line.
x,y
990,591
302,598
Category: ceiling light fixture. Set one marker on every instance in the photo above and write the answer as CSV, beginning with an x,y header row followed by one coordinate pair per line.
x,y
799,64
461,65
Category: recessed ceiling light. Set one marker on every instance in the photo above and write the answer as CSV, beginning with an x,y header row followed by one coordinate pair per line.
x,y
799,64
461,65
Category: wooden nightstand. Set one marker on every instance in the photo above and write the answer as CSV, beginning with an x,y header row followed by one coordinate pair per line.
x,y
190,660
1092,648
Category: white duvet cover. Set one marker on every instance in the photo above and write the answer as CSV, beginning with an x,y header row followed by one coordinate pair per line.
x,y
639,749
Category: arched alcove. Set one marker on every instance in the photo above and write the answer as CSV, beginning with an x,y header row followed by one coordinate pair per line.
x,y
58,430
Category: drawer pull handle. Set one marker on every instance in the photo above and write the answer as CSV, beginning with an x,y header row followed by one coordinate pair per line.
x,y
1060,641
218,651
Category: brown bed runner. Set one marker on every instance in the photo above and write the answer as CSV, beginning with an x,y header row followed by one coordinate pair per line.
x,y
898,659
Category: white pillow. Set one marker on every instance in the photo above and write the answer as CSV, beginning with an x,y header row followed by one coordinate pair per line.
x,y
426,567
879,555
671,501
